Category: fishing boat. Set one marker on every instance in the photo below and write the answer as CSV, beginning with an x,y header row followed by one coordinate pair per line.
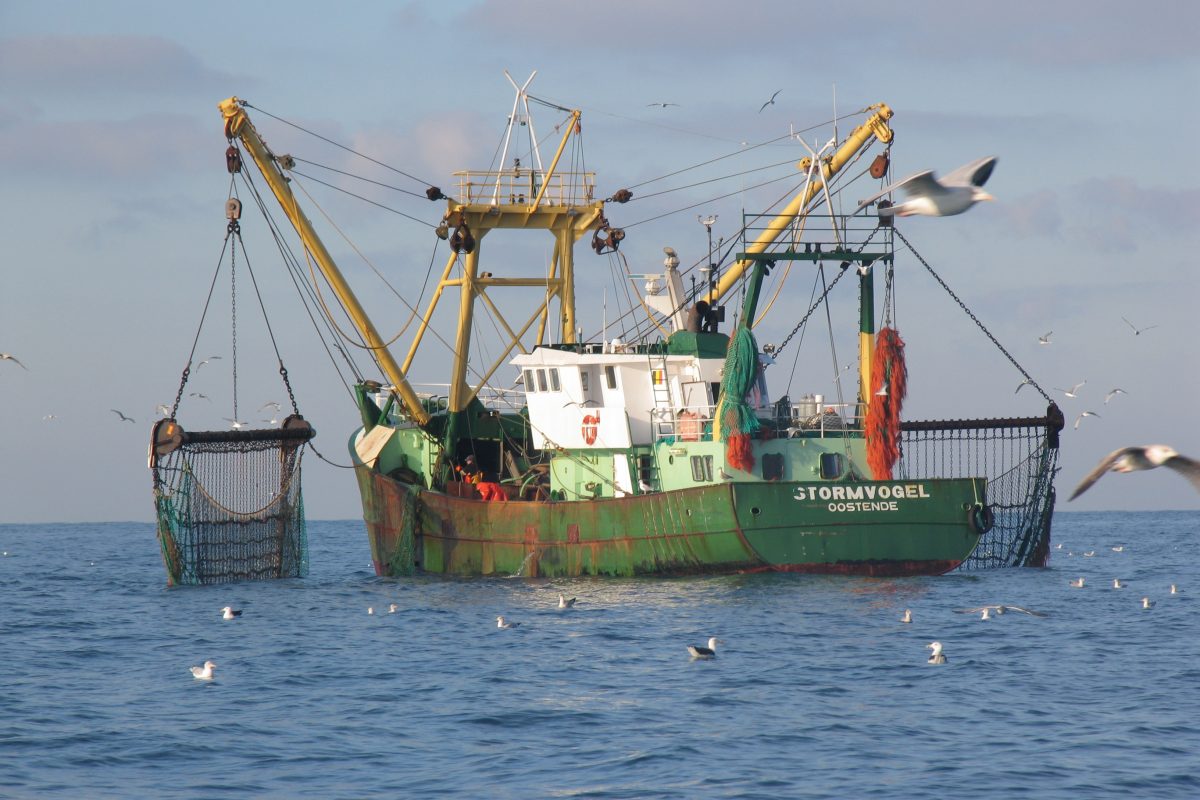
x,y
663,453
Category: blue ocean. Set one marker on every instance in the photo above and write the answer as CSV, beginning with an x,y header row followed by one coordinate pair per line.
x,y
818,690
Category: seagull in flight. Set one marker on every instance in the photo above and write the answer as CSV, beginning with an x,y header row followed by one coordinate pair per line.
x,y
770,102
1136,330
928,196
201,396
1133,459
998,610
205,361
1073,391
234,423
1045,338
1023,384
122,416
270,404
660,105
1112,393
1079,419
12,358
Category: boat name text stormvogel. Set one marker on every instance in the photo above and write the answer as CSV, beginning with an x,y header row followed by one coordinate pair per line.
x,y
863,497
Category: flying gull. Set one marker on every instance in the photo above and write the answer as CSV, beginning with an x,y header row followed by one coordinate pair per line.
x,y
1023,384
204,673
660,105
270,404
999,610
936,657
1113,393
928,196
1073,391
563,602
1079,419
228,612
205,361
1132,459
234,423
1045,339
770,102
705,652
122,416
1136,330
12,358
503,625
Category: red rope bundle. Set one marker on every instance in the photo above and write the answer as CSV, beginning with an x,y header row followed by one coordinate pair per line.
x,y
738,451
883,412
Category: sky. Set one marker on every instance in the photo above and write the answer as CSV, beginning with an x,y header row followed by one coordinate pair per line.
x,y
114,187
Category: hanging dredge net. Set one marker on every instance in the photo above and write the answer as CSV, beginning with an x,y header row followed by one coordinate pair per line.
x,y
229,503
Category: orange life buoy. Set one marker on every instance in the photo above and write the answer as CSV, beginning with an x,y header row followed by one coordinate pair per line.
x,y
590,427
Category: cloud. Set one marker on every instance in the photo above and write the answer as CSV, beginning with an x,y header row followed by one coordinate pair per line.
x,y
85,65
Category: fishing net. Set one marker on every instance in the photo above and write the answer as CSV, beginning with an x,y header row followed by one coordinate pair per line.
x,y
738,420
229,504
1019,458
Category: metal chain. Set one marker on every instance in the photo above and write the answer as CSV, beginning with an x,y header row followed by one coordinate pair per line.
x,y
288,384
816,303
974,319
234,229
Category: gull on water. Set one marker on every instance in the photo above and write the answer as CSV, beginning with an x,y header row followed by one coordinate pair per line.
x,y
999,610
1089,554
907,615
1117,584
563,602
928,196
1113,393
393,608
504,625
1147,602
1079,419
1045,338
204,673
370,610
1136,330
936,657
1133,459
1173,589
12,358
122,416
705,652
985,613
228,612
1077,584
1119,548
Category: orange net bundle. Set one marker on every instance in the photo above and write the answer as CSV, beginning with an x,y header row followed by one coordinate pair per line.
x,y
889,384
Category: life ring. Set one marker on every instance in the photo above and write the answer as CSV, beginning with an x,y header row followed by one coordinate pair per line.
x,y
590,427
981,518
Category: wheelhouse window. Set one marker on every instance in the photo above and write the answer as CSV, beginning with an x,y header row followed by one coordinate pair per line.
x,y
530,386
554,384
610,376
541,376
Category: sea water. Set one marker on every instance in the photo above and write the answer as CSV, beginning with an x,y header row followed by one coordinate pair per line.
x,y
817,691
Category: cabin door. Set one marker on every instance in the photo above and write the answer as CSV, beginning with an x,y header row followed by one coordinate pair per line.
x,y
622,480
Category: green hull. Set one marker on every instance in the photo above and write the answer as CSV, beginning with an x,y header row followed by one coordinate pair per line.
x,y
924,527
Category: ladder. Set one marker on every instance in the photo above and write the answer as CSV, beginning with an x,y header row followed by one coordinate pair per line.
x,y
662,415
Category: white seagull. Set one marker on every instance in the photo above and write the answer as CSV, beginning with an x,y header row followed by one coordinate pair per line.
x,y
1113,393
204,673
228,612
1173,589
270,404
999,610
1117,584
1133,459
563,602
122,416
907,615
502,625
1045,339
1147,602
1079,419
1077,584
12,358
234,423
705,652
770,102
205,361
1023,384
1136,330
936,657
928,196
1073,391
393,608
660,105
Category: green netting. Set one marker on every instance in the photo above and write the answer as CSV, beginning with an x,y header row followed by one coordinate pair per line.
x,y
404,558
231,511
737,378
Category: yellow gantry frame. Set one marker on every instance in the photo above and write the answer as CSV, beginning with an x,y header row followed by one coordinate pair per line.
x,y
875,127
